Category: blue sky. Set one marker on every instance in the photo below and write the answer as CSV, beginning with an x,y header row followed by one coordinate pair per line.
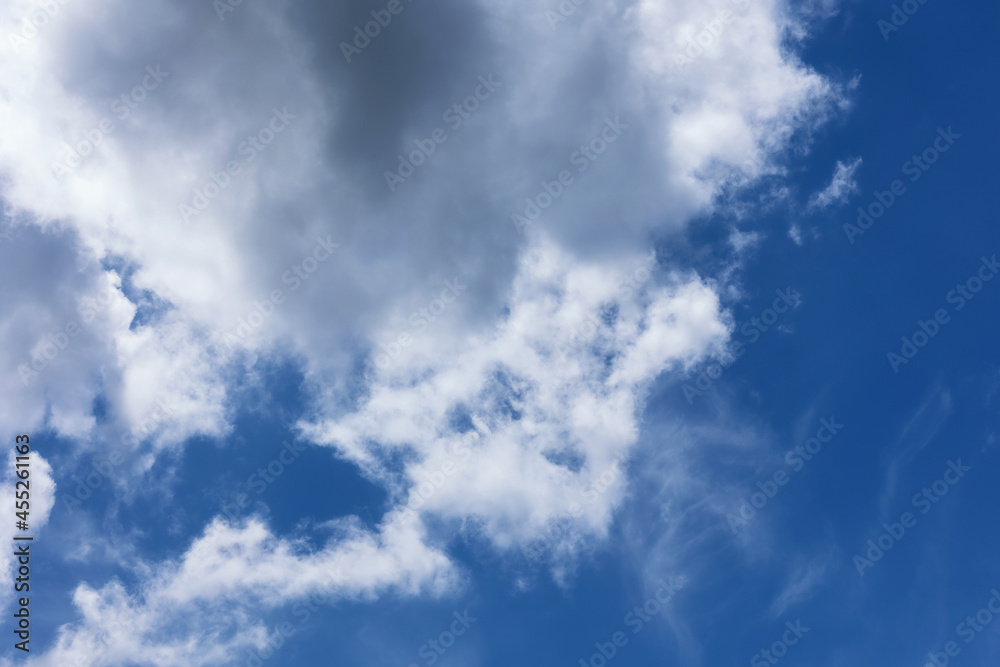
x,y
649,415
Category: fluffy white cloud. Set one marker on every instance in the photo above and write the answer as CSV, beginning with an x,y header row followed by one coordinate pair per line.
x,y
551,397
42,492
691,131
554,407
203,608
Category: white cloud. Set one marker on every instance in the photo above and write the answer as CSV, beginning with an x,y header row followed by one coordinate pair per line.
x,y
690,134
556,391
42,492
202,608
795,234
575,415
743,241
553,419
841,187
800,585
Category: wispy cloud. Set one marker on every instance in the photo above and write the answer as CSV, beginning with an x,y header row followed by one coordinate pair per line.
x,y
795,234
799,587
841,187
